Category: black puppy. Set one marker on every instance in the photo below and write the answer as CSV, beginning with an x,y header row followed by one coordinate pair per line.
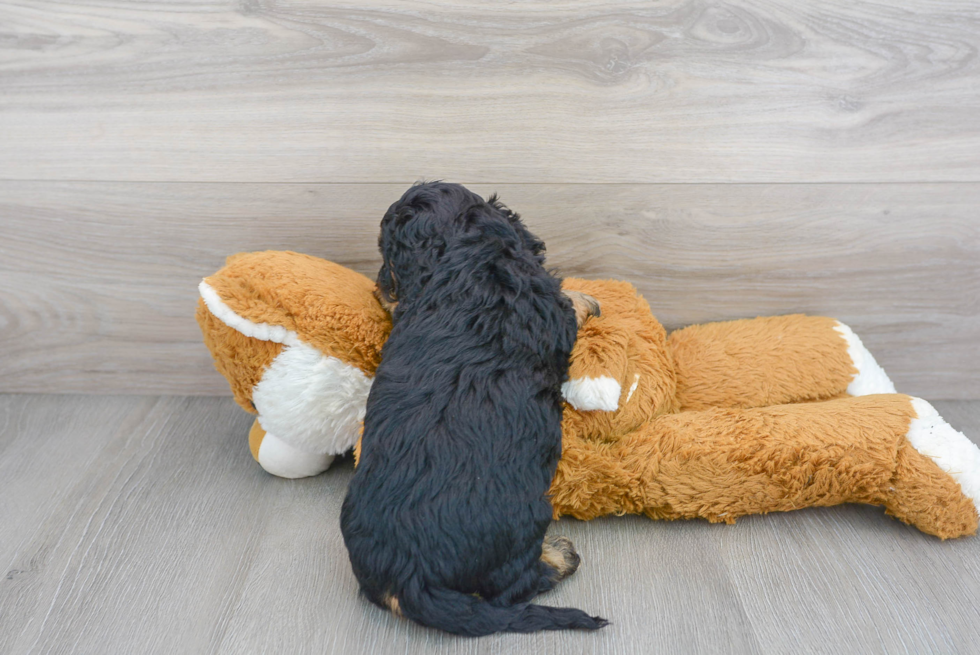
x,y
446,515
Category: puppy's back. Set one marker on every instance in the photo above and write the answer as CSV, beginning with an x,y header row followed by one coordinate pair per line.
x,y
447,509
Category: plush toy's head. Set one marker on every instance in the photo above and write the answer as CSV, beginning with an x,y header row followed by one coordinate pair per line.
x,y
298,339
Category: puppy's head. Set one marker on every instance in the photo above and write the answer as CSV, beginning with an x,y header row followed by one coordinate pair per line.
x,y
432,219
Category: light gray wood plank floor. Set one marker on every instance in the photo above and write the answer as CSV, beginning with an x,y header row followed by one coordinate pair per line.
x,y
141,525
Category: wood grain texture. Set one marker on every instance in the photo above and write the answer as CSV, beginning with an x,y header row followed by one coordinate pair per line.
x,y
567,92
98,280
142,525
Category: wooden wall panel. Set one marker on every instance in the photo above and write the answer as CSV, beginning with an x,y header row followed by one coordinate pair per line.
x,y
98,280
569,92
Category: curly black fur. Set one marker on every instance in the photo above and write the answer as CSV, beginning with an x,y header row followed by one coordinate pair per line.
x,y
445,516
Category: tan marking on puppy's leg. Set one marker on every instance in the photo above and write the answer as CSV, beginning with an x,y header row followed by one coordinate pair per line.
x,y
388,306
584,305
392,603
559,553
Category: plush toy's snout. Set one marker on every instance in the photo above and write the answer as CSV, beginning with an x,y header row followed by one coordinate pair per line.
x,y
282,460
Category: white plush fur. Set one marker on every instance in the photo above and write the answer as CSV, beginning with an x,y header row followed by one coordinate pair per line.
x,y
870,378
225,314
313,401
279,458
588,394
948,448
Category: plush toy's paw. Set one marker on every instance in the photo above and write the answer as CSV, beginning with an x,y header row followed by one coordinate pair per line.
x,y
947,447
282,460
936,482
870,378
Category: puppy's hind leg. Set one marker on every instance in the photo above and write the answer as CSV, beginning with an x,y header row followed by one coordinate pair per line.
x,y
558,561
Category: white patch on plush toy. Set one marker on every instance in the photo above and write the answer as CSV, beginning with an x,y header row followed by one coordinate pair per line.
x,y
314,401
590,394
636,383
870,378
225,314
947,447
279,458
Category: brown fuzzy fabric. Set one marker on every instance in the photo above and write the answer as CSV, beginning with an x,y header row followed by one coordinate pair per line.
x,y
241,359
767,361
726,419
255,436
720,464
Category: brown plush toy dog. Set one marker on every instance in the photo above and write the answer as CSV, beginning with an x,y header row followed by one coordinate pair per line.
x,y
715,421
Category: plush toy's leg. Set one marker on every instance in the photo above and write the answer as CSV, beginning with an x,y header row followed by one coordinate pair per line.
x,y
870,377
772,361
279,458
933,439
721,464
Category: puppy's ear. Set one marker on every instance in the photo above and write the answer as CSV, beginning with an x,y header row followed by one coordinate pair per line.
x,y
412,242
387,285
528,240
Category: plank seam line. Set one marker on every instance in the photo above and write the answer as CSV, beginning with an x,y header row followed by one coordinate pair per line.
x,y
4,180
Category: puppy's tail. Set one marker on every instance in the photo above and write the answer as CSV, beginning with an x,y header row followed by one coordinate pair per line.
x,y
472,616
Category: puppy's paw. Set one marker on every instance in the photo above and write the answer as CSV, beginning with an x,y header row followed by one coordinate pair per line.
x,y
584,306
558,553
391,602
